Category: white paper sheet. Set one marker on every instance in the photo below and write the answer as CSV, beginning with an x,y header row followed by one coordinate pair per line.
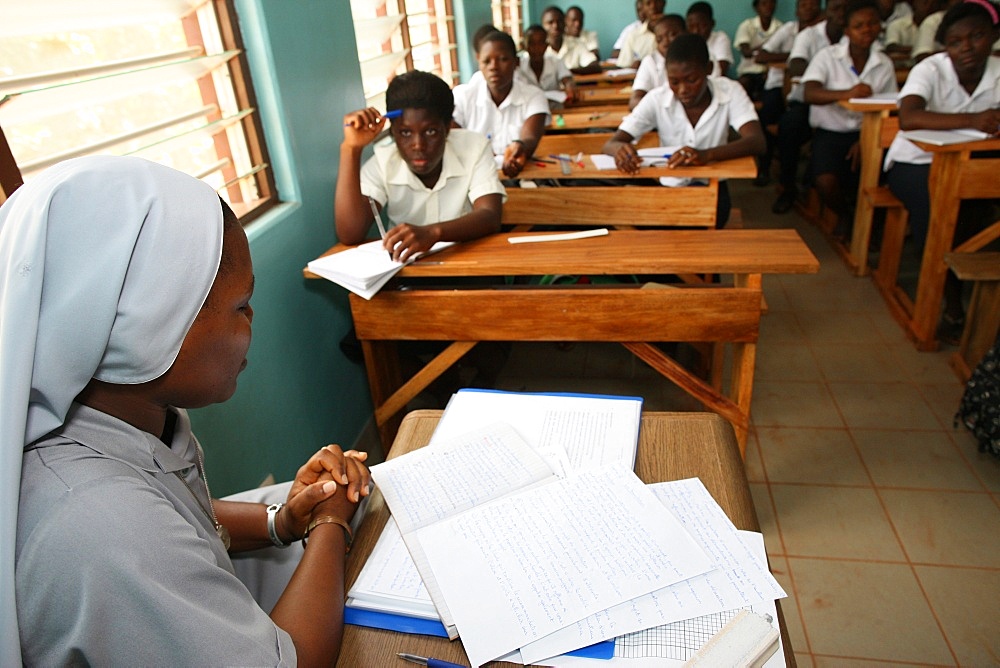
x,y
364,269
739,581
550,556
944,137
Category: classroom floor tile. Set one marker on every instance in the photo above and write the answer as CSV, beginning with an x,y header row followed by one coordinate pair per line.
x,y
818,456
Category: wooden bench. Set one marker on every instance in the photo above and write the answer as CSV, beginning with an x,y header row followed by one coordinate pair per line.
x,y
982,321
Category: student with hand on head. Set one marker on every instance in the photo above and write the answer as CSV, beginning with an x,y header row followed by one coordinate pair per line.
x,y
574,28
772,52
572,51
959,88
652,71
750,36
125,293
511,113
438,183
793,126
541,67
695,112
640,42
841,72
701,21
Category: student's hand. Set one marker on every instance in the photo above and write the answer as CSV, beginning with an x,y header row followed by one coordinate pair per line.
x,y
515,157
328,473
987,121
361,127
859,90
571,93
854,155
627,159
404,241
686,157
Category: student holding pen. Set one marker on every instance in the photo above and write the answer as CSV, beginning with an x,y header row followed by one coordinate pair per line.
x,y
437,183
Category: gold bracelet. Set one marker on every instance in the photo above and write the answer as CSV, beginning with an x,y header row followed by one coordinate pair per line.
x,y
330,519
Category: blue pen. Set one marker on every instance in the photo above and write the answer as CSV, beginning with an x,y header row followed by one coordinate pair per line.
x,y
395,113
430,663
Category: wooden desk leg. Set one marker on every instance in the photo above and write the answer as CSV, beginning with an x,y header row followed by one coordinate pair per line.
x,y
982,325
871,131
943,183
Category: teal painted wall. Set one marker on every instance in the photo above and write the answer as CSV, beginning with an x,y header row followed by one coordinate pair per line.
x,y
298,392
609,17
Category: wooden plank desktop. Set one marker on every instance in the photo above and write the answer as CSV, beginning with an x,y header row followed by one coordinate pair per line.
x,y
636,318
672,446
737,168
606,117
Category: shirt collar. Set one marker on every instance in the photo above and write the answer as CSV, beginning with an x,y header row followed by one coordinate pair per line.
x,y
398,172
720,95
120,441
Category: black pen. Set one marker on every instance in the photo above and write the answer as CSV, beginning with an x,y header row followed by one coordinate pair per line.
x,y
430,663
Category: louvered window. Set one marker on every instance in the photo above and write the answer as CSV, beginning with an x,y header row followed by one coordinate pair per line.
x,y
507,17
161,79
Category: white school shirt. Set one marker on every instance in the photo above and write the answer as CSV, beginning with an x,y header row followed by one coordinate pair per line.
x,y
475,110
902,32
623,35
639,44
719,48
589,39
468,172
935,80
752,32
780,42
553,71
925,42
833,69
731,107
806,45
573,53
652,73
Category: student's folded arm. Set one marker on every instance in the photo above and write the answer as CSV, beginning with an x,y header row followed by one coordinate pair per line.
x,y
751,142
796,66
484,219
766,57
813,92
913,115
591,68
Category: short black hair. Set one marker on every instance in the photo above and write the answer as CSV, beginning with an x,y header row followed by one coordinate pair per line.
x,y
688,48
501,37
672,18
421,90
481,32
702,8
855,6
577,9
967,10
553,8
534,27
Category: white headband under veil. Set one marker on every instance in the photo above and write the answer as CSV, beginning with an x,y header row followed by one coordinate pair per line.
x,y
104,264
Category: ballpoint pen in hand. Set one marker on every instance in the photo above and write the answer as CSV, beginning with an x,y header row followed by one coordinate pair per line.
x,y
430,663
378,221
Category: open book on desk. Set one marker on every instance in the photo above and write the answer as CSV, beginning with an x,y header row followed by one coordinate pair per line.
x,y
510,553
652,156
366,268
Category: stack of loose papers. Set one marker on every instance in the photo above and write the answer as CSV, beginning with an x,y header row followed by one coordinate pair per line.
x,y
363,269
653,156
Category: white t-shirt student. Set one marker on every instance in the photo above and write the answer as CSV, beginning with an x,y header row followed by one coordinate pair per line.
x,y
935,80
719,48
780,42
573,53
731,107
468,172
752,32
833,68
806,45
475,110
639,44
902,32
652,73
553,71
925,42
589,39
623,35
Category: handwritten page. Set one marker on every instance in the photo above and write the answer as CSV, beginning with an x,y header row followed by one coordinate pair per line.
x,y
740,579
549,556
571,432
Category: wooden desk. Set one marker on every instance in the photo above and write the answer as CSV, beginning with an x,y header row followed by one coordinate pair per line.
x,y
602,95
608,117
954,176
672,446
982,322
872,143
737,168
586,143
604,78
636,318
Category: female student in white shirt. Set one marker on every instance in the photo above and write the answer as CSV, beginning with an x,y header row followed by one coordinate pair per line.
x,y
694,112
701,21
511,113
958,88
543,68
652,72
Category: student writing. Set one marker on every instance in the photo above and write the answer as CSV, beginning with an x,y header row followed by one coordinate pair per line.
x,y
437,183
694,112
